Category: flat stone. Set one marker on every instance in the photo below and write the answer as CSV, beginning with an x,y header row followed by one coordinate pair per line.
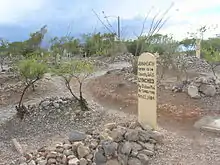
x,y
73,161
209,123
99,157
113,162
77,136
83,151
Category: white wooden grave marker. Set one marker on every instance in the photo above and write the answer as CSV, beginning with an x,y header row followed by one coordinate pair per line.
x,y
147,90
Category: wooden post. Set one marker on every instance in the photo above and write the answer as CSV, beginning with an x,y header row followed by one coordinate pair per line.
x,y
198,48
18,147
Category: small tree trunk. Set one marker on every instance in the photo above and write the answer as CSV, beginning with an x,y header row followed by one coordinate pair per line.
x,y
67,83
18,147
21,109
33,87
83,102
22,95
213,71
80,91
2,63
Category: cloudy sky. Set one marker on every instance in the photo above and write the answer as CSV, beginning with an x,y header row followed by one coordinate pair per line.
x,y
20,17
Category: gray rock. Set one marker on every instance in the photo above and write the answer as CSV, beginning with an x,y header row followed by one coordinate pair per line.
x,y
83,161
22,159
71,157
208,90
133,125
123,159
143,158
76,136
118,133
99,157
109,147
113,162
67,146
147,146
134,153
134,161
73,161
131,135
136,147
45,103
56,105
158,136
83,151
93,144
143,135
147,152
146,127
51,161
125,148
110,126
32,162
67,152
42,162
193,92
89,157
52,155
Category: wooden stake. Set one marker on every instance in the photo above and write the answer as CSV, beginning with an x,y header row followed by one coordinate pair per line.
x,y
18,146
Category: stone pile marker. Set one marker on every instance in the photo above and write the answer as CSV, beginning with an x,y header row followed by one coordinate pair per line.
x,y
147,90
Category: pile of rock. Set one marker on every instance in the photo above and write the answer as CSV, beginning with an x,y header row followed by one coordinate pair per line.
x,y
199,87
127,144
55,108
194,63
99,63
6,87
127,72
126,57
59,103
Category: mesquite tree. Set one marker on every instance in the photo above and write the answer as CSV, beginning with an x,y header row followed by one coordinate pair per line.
x,y
79,70
212,56
3,52
30,70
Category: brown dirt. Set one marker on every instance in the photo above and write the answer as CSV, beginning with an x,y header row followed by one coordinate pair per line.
x,y
47,87
176,111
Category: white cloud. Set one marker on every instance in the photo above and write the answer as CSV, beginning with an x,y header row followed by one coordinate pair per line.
x,y
185,14
187,19
13,11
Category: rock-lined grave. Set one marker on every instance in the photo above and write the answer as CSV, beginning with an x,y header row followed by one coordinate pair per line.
x,y
198,87
118,144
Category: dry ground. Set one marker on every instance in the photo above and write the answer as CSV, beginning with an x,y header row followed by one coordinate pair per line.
x,y
176,111
183,145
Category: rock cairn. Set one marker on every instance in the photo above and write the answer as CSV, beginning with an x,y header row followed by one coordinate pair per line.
x,y
194,63
126,57
199,87
118,144
126,72
56,109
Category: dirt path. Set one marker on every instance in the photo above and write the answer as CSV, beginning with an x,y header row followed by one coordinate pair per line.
x,y
31,135
47,87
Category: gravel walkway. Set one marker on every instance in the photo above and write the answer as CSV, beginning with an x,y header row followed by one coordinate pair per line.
x,y
180,150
